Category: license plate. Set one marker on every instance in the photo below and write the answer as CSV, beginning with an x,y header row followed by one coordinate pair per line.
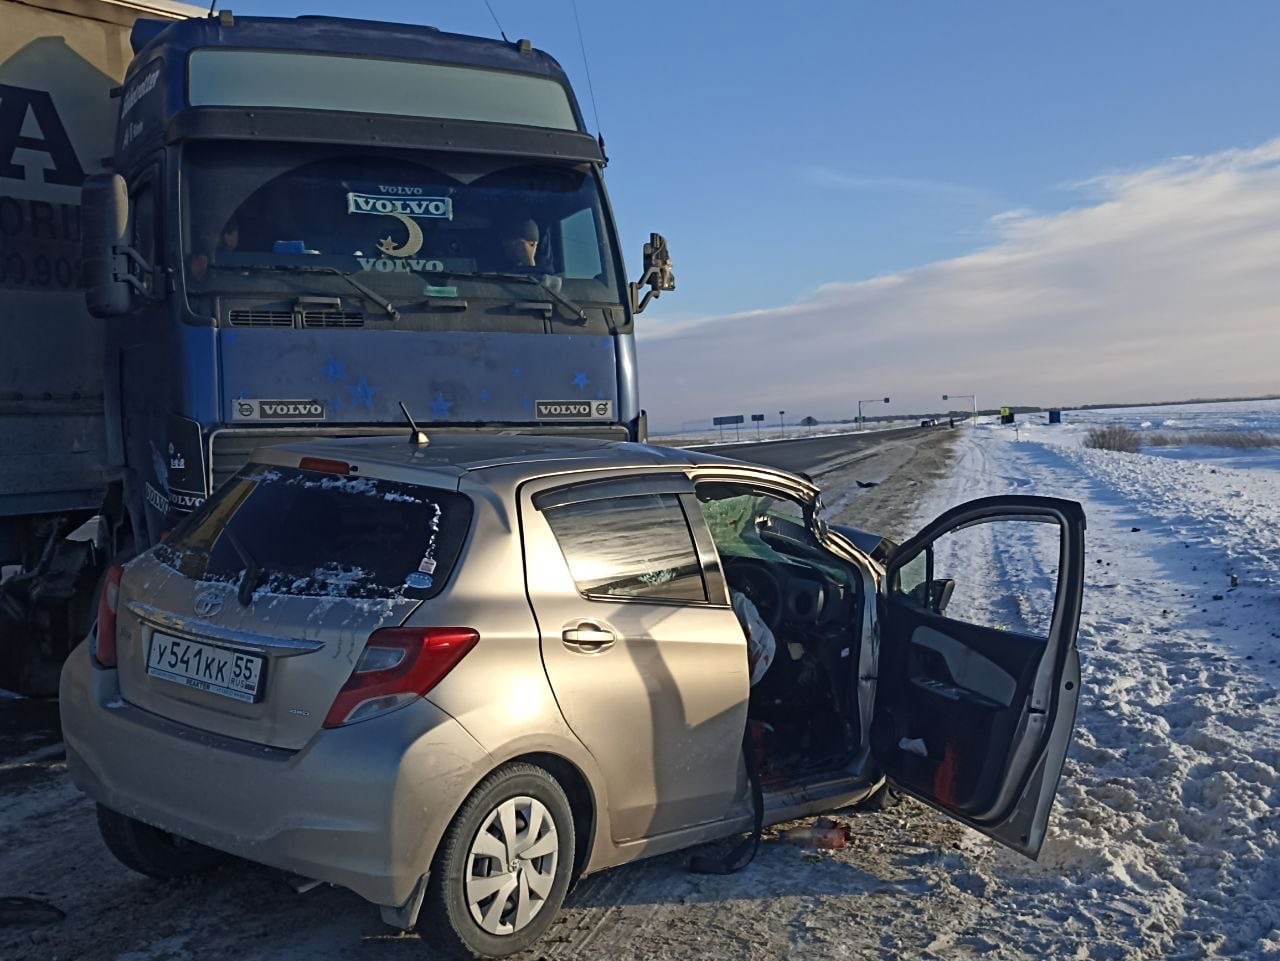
x,y
206,667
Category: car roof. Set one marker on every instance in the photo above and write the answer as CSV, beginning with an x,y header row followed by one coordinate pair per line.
x,y
516,457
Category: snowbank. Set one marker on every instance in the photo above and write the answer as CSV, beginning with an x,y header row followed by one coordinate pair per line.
x,y
1165,841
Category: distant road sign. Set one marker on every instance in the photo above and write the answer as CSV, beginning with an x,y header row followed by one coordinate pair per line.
x,y
730,419
757,417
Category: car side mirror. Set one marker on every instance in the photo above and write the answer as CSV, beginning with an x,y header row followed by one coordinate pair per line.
x,y
658,274
104,247
940,591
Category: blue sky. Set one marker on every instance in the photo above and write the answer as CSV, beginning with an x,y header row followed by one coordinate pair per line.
x,y
786,147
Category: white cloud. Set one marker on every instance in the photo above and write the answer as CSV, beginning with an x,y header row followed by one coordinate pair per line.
x,y
1166,286
843,180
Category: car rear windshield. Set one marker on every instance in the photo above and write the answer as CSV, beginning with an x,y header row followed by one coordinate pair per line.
x,y
314,534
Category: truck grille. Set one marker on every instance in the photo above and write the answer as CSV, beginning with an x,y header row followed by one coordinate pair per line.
x,y
332,318
261,317
230,449
279,317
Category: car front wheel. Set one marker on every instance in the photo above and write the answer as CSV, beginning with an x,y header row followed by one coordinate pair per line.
x,y
153,852
504,866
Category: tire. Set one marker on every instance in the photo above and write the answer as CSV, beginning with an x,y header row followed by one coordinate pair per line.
x,y
459,916
153,852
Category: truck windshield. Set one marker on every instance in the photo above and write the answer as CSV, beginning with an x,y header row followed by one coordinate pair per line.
x,y
408,224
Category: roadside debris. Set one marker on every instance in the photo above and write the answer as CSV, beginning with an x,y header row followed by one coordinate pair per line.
x,y
824,833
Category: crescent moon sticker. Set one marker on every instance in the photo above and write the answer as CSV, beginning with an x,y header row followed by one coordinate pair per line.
x,y
411,246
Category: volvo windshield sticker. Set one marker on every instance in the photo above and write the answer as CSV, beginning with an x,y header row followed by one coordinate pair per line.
x,y
406,204
385,266
407,249
399,201
573,409
245,409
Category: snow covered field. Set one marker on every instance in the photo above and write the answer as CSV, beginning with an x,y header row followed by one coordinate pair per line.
x,y
1234,417
1166,839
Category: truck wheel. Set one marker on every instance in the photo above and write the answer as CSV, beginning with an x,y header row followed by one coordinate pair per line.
x,y
503,867
153,852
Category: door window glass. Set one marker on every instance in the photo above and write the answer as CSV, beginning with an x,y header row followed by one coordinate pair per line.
x,y
143,228
581,243
1001,574
637,547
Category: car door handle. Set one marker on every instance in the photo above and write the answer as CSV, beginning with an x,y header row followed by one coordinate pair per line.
x,y
588,638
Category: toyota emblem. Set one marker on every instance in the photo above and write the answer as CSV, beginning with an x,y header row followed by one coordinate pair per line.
x,y
208,604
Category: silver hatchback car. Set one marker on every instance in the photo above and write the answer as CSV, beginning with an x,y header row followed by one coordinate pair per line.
x,y
456,676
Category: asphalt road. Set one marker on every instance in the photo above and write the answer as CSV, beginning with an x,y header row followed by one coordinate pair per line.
x,y
815,455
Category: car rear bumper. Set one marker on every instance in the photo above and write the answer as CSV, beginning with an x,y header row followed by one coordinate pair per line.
x,y
362,806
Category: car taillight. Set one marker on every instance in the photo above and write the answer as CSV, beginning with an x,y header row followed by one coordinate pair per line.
x,y
104,649
399,665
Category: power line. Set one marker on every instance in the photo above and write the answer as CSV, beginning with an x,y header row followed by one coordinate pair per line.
x,y
496,21
587,65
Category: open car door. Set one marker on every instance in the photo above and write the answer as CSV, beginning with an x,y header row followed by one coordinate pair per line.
x,y
977,683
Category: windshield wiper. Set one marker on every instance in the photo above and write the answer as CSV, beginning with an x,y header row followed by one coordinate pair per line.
x,y
533,279
252,576
373,295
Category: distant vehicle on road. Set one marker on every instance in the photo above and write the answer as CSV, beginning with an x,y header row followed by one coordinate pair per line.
x,y
455,676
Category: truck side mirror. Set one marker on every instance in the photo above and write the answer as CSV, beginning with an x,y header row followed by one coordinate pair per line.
x,y
658,273
104,246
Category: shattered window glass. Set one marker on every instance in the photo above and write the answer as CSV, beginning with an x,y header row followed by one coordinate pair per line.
x,y
313,534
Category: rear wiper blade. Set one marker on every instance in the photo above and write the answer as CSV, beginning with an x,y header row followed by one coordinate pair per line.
x,y
252,576
373,295
533,279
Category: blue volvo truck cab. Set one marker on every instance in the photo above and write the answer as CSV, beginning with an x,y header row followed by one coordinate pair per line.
x,y
309,222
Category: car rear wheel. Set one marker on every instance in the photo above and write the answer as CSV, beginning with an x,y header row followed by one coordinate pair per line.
x,y
503,868
153,852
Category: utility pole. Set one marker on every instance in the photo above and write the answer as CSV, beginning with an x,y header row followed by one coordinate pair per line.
x,y
862,424
972,398
782,424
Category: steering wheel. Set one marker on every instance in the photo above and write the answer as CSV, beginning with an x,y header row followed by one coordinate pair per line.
x,y
760,585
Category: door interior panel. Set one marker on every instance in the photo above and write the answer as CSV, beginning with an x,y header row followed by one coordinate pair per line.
x,y
966,688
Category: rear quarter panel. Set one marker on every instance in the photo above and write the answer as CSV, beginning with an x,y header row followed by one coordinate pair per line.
x,y
499,693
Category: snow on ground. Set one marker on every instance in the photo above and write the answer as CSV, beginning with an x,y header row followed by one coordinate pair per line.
x,y
1165,841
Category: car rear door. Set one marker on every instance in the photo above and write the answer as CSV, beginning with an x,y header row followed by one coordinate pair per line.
x,y
644,654
976,701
